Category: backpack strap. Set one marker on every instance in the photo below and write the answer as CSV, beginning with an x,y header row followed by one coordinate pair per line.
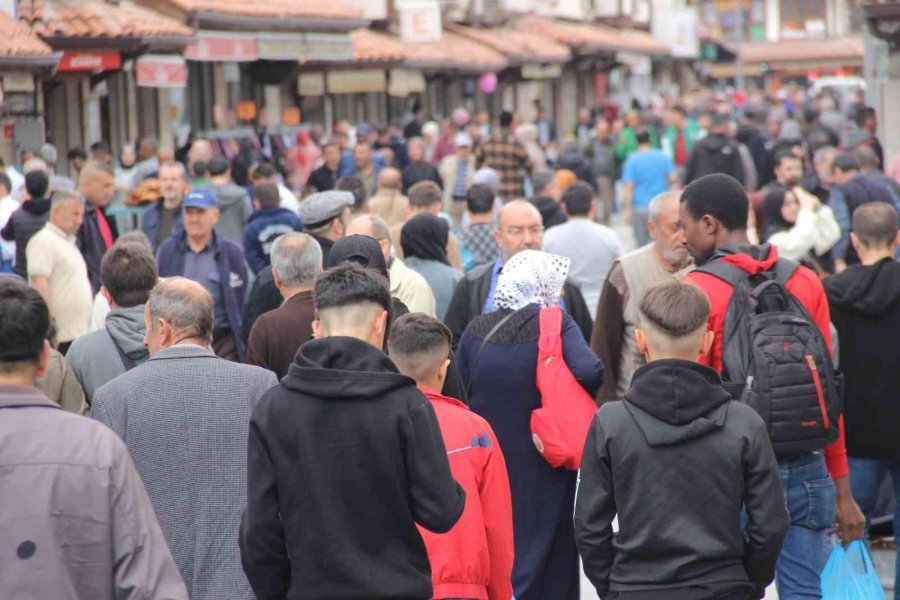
x,y
727,272
785,269
484,342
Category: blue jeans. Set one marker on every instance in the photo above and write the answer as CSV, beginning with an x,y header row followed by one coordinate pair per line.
x,y
810,499
865,479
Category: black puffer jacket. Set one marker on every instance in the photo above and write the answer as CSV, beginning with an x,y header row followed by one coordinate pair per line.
x,y
865,309
716,153
24,223
683,459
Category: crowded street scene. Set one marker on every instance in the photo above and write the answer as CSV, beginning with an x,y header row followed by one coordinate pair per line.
x,y
451,300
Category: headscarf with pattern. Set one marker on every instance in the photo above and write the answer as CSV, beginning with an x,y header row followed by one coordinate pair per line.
x,y
531,277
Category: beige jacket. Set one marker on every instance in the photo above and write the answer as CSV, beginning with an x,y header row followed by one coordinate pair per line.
x,y
75,519
411,289
61,385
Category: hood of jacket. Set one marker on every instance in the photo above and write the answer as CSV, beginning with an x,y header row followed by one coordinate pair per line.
x,y
126,327
854,136
715,142
750,258
229,194
548,207
343,367
673,401
36,206
267,212
866,290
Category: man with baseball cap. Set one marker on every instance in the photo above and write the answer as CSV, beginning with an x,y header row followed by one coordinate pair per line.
x,y
325,216
217,264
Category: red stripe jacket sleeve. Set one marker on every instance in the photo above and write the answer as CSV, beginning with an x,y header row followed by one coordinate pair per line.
x,y
496,508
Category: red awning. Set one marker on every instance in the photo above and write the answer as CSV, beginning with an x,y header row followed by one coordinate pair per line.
x,y
74,61
214,47
161,71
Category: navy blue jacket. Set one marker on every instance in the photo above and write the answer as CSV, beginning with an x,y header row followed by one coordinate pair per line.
x,y
151,223
232,269
264,226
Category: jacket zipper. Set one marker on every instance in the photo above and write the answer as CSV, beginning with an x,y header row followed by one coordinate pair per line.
x,y
811,363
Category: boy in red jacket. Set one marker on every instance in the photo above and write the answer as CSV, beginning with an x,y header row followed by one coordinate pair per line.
x,y
474,560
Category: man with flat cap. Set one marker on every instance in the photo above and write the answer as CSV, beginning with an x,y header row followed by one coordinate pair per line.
x,y
217,264
325,216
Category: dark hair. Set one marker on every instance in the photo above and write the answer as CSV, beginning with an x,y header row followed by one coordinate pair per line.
x,y
785,154
866,157
5,181
642,136
128,272
675,308
37,182
578,199
200,168
720,120
100,146
418,344
424,236
349,284
264,170
266,194
680,110
218,165
771,219
76,152
875,224
542,179
846,162
357,187
506,119
862,114
480,199
24,324
720,196
425,194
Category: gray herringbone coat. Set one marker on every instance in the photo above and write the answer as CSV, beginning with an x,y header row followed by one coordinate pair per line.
x,y
184,415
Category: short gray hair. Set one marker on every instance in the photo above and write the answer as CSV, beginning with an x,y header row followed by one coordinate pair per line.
x,y
823,154
48,153
61,196
189,313
656,205
296,259
174,164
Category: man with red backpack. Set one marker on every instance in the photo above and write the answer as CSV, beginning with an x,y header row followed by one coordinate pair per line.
x,y
772,345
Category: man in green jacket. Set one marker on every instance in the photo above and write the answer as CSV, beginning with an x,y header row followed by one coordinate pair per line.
x,y
627,142
679,135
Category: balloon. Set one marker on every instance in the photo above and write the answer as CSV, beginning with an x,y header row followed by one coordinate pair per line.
x,y
460,116
487,83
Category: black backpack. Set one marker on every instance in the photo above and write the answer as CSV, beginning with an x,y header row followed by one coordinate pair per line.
x,y
775,359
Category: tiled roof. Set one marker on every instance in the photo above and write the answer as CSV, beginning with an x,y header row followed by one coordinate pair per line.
x,y
591,37
373,47
326,9
805,49
97,19
17,40
517,46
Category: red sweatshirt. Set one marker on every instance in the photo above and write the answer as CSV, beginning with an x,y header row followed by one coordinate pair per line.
x,y
805,285
475,558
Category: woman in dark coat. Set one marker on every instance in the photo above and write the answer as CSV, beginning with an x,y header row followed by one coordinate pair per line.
x,y
500,375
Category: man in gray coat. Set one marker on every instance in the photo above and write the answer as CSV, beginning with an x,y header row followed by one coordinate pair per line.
x,y
184,415
75,520
128,273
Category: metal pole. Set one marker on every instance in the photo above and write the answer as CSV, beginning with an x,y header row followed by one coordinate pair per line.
x,y
739,61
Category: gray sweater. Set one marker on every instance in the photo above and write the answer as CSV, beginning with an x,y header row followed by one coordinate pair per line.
x,y
94,357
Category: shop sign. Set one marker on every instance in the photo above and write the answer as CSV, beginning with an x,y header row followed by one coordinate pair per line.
x,y
18,82
535,71
280,47
290,116
215,47
678,27
404,82
420,21
328,47
161,71
246,110
89,61
356,82
311,84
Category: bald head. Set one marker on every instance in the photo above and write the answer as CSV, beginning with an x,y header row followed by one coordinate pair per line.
x,y
178,310
521,228
389,179
373,227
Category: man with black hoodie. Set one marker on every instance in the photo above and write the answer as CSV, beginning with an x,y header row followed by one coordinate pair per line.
x,y
716,153
648,457
28,219
345,456
866,312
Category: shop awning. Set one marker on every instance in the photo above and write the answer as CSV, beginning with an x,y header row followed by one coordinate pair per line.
x,y
453,52
589,38
69,24
805,53
266,15
225,46
519,47
212,46
161,71
21,50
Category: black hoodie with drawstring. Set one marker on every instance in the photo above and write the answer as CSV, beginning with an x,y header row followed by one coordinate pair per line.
x,y
865,310
345,456
676,460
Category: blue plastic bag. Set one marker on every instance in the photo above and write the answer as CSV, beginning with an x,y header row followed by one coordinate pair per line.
x,y
850,574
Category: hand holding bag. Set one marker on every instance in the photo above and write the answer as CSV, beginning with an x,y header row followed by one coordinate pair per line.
x,y
560,427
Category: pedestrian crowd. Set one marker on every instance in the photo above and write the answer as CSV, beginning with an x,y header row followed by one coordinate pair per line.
x,y
370,366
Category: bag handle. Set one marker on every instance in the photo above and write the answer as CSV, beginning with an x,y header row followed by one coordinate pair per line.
x,y
550,336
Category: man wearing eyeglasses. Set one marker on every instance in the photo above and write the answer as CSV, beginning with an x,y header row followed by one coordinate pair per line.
x,y
520,228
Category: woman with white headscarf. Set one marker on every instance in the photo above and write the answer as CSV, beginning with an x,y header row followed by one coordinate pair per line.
x,y
497,358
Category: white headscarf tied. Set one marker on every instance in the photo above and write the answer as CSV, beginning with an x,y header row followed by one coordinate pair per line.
x,y
531,277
